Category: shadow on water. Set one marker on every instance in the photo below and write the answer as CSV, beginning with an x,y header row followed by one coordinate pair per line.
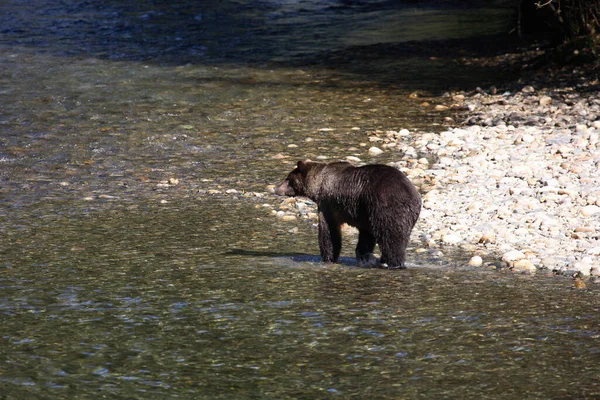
x,y
295,257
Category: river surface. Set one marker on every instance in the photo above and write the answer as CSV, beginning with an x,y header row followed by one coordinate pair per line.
x,y
139,257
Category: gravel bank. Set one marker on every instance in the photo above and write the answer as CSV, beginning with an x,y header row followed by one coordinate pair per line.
x,y
518,182
521,179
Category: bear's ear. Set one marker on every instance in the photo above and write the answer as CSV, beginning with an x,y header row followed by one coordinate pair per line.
x,y
302,165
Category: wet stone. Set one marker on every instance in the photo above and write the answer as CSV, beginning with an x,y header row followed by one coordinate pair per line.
x,y
476,261
523,265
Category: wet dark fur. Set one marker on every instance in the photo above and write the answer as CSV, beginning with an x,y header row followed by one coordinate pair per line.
x,y
377,199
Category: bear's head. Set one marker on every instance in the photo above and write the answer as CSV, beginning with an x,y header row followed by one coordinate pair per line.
x,y
295,184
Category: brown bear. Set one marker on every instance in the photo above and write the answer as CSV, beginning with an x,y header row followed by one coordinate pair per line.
x,y
377,199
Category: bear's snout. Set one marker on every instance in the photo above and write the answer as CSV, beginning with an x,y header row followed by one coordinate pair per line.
x,y
283,188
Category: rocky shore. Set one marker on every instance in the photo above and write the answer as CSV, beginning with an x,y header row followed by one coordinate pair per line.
x,y
516,184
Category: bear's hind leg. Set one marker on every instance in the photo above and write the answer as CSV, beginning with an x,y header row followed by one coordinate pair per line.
x,y
364,250
393,251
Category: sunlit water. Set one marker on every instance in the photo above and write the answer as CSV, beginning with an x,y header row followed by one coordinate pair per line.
x,y
114,284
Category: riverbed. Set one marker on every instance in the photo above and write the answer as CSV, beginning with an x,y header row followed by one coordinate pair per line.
x,y
140,257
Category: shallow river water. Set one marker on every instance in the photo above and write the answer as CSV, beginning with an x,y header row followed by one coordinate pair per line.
x,y
127,271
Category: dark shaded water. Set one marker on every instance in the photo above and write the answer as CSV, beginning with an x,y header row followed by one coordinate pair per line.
x,y
115,284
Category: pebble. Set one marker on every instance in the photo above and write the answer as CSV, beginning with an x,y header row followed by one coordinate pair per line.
x,y
545,100
312,216
549,262
375,151
588,211
583,266
595,251
512,255
451,239
585,229
487,237
523,265
580,284
476,261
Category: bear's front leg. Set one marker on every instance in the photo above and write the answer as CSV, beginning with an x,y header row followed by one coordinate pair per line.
x,y
330,238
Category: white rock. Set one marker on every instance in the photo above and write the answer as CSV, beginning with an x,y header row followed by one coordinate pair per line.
x,y
527,138
528,89
375,151
487,238
512,255
545,100
549,262
581,128
582,267
428,205
588,211
475,261
587,260
451,239
594,251
565,149
523,265
431,195
301,206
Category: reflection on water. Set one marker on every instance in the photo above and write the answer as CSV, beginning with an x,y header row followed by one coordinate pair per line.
x,y
121,277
